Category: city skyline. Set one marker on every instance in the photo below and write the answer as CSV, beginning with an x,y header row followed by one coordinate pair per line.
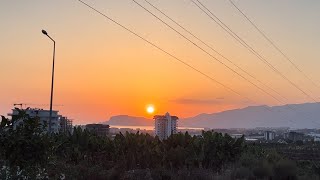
x,y
102,70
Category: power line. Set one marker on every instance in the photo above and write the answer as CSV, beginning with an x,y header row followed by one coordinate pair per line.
x,y
210,47
273,44
241,41
166,52
171,55
211,55
288,106
195,44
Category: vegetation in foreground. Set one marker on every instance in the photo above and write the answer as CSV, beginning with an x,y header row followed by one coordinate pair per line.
x,y
26,152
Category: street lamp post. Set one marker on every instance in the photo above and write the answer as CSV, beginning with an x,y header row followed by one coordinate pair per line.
x,y
52,78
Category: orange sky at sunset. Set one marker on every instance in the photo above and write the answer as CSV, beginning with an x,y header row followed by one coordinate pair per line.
x,y
102,70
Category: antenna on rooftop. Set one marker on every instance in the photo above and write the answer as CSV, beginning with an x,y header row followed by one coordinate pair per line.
x,y
28,104
19,104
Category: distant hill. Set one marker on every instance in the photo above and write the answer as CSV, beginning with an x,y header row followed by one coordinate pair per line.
x,y
125,120
306,116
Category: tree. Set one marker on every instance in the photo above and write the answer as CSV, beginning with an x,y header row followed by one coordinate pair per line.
x,y
24,145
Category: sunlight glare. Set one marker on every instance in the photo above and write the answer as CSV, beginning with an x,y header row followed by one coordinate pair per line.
x,y
150,109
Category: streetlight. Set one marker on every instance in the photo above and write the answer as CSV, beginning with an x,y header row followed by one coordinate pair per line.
x,y
54,51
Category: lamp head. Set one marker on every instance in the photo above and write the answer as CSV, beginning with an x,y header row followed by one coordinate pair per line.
x,y
44,32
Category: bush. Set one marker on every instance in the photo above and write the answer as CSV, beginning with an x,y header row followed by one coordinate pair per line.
x,y
285,169
264,170
243,173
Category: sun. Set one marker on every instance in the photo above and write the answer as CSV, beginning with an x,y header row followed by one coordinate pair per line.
x,y
150,109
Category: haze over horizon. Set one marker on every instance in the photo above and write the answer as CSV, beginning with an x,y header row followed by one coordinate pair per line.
x,y
102,70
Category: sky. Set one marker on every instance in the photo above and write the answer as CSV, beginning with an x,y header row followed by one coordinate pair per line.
x,y
102,70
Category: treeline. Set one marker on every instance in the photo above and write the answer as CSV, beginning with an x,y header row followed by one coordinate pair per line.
x,y
27,152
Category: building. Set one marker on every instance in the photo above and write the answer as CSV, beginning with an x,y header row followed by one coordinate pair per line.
x,y
269,135
314,136
65,125
236,136
255,136
165,125
98,129
294,136
43,116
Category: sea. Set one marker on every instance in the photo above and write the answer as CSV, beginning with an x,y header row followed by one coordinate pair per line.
x,y
150,127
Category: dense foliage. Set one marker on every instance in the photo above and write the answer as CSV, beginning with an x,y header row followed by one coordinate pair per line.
x,y
28,152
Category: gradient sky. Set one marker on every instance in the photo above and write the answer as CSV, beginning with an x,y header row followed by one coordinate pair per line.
x,y
102,70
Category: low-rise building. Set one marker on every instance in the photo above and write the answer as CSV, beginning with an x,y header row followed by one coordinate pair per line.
x,y
236,136
65,125
315,136
294,136
255,136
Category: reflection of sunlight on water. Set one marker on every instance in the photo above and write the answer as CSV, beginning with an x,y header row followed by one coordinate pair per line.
x,y
150,127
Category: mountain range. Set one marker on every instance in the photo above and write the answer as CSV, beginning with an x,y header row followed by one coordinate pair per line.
x,y
305,115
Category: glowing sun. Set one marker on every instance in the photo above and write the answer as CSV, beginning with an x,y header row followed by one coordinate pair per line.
x,y
150,109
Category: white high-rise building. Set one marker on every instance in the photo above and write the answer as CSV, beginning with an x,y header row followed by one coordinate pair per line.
x,y
165,125
269,135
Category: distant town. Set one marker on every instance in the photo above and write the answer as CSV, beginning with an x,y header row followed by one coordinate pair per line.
x,y
166,125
